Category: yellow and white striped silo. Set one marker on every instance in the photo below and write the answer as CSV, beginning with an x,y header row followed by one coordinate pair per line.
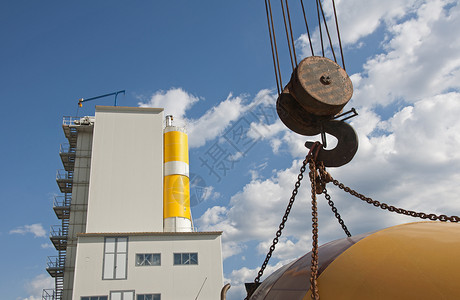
x,y
176,189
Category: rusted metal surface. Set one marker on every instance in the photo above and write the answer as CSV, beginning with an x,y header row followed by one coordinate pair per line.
x,y
347,144
291,281
314,212
295,117
321,86
302,121
223,292
318,90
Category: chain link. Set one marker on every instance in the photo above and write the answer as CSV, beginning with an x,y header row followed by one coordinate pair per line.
x,y
325,178
314,212
391,208
283,222
336,213
319,178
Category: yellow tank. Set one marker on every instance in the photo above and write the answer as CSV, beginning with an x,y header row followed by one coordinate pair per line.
x,y
410,261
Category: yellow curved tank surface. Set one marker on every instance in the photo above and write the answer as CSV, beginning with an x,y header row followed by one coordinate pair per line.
x,y
176,197
410,261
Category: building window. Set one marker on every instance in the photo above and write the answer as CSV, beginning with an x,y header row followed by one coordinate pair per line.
x,y
94,298
148,259
149,297
122,295
185,258
115,258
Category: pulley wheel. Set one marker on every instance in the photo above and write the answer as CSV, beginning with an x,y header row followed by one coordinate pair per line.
x,y
294,116
321,86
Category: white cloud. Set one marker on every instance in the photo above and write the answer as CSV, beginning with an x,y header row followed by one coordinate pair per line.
x,y
35,286
210,194
46,245
254,214
359,18
287,248
36,229
175,101
255,170
264,130
218,118
231,248
409,160
215,120
414,67
237,279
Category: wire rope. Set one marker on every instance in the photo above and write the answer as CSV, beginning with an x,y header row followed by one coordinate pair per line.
x,y
327,30
276,47
319,27
338,34
290,29
306,25
273,52
287,34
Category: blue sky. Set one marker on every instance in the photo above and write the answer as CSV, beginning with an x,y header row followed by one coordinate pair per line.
x,y
209,64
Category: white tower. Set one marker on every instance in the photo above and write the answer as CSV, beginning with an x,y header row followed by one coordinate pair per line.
x,y
121,241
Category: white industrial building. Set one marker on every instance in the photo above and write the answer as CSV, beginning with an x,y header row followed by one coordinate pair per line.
x,y
126,230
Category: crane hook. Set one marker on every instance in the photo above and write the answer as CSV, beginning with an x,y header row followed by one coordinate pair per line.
x,y
347,144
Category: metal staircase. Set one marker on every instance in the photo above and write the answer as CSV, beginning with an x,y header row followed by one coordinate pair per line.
x,y
61,206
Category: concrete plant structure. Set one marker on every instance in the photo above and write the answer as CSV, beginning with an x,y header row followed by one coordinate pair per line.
x,y
126,230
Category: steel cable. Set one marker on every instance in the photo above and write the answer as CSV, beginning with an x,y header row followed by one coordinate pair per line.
x,y
327,30
273,52
306,25
287,34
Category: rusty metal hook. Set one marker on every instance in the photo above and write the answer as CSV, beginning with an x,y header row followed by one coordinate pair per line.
x,y
347,144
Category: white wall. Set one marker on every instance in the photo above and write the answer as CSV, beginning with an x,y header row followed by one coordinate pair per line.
x,y
173,282
126,181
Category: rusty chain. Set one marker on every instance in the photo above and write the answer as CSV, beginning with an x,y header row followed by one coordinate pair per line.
x,y
324,178
336,213
311,157
319,177
314,213
391,208
283,222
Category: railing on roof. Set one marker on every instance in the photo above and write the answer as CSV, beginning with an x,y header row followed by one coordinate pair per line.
x,y
53,262
62,174
65,148
49,294
57,231
69,121
61,201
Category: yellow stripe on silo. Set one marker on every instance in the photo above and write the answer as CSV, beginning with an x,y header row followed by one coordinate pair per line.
x,y
175,146
176,197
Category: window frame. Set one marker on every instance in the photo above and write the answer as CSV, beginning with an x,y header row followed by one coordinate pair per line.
x,y
115,258
182,259
122,293
153,295
98,297
152,265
